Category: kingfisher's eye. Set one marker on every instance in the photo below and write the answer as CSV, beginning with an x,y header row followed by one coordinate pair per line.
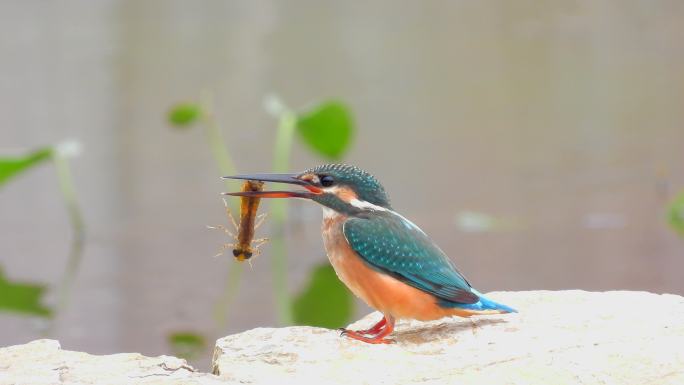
x,y
327,181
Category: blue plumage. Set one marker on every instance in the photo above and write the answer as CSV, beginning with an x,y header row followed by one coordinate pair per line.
x,y
393,245
483,304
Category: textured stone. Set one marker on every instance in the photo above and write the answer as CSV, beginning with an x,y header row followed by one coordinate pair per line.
x,y
568,337
44,362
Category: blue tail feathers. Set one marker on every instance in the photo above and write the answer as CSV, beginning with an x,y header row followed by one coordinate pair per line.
x,y
483,304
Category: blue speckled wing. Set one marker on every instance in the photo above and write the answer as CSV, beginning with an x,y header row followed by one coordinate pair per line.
x,y
393,245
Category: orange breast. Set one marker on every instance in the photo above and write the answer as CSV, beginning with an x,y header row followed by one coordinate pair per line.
x,y
378,290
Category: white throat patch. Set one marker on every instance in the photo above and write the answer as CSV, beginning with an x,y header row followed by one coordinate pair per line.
x,y
328,213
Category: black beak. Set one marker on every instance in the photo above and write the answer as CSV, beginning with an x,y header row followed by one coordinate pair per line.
x,y
276,178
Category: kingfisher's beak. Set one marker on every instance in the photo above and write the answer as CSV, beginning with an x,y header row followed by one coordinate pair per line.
x,y
277,178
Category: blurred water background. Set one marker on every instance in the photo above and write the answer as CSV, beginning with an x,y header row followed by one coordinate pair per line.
x,y
538,143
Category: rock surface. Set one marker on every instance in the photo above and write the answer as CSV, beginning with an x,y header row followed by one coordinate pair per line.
x,y
44,362
569,337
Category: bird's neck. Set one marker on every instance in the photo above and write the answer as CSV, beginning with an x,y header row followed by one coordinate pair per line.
x,y
363,208
332,229
330,214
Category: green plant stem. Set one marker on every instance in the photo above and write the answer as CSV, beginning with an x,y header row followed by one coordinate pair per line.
x,y
230,289
78,227
226,166
217,145
281,163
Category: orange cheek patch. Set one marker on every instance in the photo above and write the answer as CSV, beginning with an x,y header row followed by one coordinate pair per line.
x,y
346,194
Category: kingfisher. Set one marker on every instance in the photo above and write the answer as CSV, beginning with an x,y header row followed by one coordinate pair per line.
x,y
382,257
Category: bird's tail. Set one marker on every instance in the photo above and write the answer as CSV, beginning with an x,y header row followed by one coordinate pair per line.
x,y
486,304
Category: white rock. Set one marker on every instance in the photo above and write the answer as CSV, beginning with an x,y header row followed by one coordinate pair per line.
x,y
44,362
568,337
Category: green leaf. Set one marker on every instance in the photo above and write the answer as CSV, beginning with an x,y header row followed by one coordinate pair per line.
x,y
328,128
325,302
22,298
187,344
184,114
13,166
675,214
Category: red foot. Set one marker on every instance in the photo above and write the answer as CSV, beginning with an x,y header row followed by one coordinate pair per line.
x,y
360,337
375,329
377,333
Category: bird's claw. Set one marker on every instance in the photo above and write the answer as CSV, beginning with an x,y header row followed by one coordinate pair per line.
x,y
355,335
344,332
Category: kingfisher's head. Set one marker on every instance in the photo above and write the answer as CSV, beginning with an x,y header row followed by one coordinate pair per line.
x,y
345,189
